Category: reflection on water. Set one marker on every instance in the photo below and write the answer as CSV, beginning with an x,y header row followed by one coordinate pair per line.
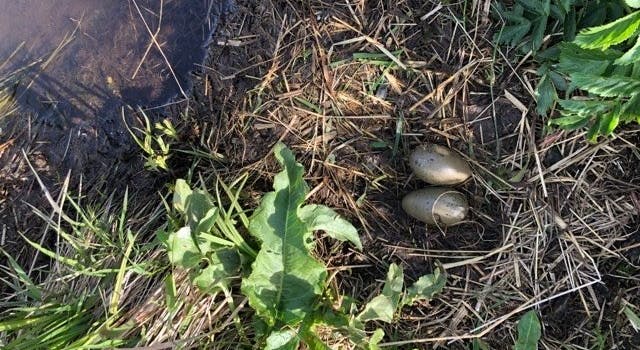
x,y
87,58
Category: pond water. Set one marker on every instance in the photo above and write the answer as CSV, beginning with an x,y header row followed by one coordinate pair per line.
x,y
79,61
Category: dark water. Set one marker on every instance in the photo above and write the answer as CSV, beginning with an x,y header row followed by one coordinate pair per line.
x,y
86,59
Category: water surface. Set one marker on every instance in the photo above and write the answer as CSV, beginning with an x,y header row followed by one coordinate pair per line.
x,y
79,61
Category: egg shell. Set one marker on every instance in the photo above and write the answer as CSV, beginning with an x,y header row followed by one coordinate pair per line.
x,y
438,165
436,205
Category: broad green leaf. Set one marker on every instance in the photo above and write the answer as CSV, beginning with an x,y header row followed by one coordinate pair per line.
x,y
633,3
529,332
224,264
545,94
283,340
614,86
632,56
426,287
384,306
182,249
199,207
634,319
206,223
604,36
319,217
286,279
180,194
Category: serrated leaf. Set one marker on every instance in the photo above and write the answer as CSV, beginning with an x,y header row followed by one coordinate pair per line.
x,y
614,86
545,95
319,217
529,332
513,34
608,123
182,249
574,59
604,36
631,109
224,264
585,107
426,287
283,340
384,306
571,121
286,279
632,56
537,33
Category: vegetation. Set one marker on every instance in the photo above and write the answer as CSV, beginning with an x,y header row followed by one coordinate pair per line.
x,y
284,283
222,259
596,69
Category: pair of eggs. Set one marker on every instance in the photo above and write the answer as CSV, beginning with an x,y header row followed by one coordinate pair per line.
x,y
439,166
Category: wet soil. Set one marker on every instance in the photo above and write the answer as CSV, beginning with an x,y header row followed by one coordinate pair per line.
x,y
80,71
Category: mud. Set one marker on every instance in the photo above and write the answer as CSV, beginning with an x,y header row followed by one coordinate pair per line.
x,y
77,63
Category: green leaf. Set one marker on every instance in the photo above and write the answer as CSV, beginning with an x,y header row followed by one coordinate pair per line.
x,y
182,248
375,339
170,292
224,264
630,110
426,287
199,207
319,217
634,319
283,340
604,36
384,306
529,332
181,192
33,291
633,3
574,59
632,56
286,279
614,86
545,94
571,121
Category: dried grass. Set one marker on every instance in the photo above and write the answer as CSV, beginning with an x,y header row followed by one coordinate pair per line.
x,y
351,87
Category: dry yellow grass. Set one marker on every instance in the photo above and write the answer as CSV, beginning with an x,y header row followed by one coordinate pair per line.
x,y
351,87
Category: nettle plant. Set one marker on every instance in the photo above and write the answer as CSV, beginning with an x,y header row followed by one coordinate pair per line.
x,y
591,59
286,285
604,63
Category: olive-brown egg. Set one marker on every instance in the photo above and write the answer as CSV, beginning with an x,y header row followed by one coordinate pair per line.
x,y
438,165
436,205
